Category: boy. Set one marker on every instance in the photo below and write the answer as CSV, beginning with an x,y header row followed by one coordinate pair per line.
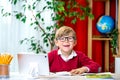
x,y
65,58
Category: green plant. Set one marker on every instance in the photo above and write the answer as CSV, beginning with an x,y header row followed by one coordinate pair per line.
x,y
34,44
61,9
114,41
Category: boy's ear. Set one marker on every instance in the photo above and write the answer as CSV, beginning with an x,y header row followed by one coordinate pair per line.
x,y
75,43
56,42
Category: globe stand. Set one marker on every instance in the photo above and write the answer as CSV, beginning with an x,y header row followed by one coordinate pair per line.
x,y
105,36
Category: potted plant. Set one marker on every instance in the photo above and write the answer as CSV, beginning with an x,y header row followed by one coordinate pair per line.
x,y
61,9
115,48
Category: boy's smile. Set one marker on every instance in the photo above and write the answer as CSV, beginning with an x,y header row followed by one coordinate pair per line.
x,y
66,45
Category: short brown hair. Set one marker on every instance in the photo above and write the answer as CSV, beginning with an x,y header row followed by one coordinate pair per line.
x,y
64,31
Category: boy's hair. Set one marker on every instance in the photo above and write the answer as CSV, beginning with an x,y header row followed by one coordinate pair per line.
x,y
64,31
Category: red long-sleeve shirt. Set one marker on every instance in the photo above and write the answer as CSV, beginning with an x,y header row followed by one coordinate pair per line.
x,y
56,63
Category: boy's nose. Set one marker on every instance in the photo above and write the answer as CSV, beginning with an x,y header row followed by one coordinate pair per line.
x,y
67,39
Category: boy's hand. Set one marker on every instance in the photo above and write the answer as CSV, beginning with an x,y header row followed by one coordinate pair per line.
x,y
78,71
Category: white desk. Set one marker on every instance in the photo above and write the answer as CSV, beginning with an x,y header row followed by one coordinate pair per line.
x,y
16,76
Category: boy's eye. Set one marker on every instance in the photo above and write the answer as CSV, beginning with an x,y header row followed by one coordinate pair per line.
x,y
62,38
70,38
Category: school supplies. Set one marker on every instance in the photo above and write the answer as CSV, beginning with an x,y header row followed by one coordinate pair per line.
x,y
5,58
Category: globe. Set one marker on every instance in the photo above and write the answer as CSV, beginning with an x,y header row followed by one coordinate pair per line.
x,y
105,24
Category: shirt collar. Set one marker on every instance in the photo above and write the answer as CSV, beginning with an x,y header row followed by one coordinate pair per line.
x,y
73,54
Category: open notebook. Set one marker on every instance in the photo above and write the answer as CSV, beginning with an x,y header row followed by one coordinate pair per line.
x,y
33,64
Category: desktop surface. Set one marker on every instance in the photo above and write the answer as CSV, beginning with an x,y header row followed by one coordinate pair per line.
x,y
18,76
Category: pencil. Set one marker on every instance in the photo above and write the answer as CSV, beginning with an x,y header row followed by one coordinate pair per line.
x,y
5,58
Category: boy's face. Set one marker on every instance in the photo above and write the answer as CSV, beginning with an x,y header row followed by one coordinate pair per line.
x,y
66,43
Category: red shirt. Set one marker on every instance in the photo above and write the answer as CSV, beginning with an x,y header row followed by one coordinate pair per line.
x,y
56,63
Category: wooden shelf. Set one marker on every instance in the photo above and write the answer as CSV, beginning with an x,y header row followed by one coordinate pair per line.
x,y
102,39
101,0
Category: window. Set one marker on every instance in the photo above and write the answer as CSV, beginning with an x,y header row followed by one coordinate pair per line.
x,y
12,31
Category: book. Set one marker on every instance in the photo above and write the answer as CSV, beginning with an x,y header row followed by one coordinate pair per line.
x,y
99,76
63,73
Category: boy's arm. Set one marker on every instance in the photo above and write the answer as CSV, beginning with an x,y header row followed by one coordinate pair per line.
x,y
89,63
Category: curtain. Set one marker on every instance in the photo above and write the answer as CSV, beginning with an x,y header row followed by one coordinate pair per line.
x,y
12,31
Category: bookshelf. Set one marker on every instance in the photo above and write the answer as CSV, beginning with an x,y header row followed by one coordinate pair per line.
x,y
92,37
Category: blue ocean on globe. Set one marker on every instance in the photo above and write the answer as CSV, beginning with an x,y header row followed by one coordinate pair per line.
x,y
105,24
